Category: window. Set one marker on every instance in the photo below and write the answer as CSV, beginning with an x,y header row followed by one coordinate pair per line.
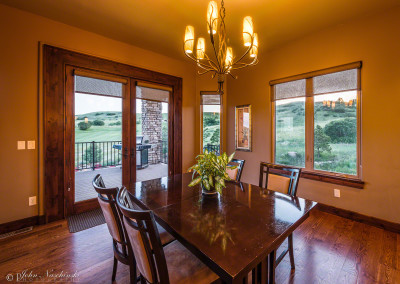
x,y
210,121
317,122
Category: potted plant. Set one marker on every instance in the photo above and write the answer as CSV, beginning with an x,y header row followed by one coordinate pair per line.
x,y
210,172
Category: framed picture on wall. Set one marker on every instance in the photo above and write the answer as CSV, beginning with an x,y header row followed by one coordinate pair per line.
x,y
243,128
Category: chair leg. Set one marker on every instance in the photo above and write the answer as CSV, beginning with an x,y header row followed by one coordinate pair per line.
x,y
132,273
114,273
271,267
291,254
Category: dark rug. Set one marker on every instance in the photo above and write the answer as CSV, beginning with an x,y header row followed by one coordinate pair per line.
x,y
85,220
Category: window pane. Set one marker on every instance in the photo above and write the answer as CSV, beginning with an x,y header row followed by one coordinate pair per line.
x,y
335,132
211,128
290,132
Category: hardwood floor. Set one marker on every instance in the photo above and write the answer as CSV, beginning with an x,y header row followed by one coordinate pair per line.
x,y
328,249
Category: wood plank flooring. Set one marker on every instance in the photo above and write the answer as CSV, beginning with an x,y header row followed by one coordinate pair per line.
x,y
328,249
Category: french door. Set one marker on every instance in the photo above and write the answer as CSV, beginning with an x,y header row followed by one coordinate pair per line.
x,y
105,98
97,135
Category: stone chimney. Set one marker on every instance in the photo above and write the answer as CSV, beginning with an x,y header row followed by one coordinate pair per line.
x,y
151,128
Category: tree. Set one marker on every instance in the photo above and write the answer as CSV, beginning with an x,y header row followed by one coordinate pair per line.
x,y
89,154
98,122
342,131
321,141
215,137
84,126
210,120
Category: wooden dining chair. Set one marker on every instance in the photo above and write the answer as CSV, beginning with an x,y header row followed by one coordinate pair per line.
x,y
284,179
122,251
157,264
236,174
112,215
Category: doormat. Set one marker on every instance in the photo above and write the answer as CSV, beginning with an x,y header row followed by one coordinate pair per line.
x,y
85,220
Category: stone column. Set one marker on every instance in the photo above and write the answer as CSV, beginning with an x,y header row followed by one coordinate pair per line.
x,y
151,128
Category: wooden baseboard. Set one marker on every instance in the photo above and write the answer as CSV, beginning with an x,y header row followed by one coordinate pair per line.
x,y
383,224
22,223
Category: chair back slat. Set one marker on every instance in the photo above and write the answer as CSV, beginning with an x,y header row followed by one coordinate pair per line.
x,y
145,240
268,170
236,174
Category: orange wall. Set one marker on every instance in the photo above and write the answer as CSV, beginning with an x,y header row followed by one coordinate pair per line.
x,y
375,41
19,88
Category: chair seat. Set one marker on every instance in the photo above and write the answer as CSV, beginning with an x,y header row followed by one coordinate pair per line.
x,y
165,237
184,267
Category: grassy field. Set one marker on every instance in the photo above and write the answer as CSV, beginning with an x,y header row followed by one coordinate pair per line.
x,y
107,132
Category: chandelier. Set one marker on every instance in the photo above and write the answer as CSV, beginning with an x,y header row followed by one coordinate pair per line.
x,y
224,61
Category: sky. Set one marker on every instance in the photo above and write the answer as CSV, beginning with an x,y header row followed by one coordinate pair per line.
x,y
85,103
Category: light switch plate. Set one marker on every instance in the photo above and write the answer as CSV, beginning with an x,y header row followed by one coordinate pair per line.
x,y
31,145
336,192
21,145
32,200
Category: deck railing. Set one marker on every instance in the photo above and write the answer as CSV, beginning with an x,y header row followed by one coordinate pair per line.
x,y
92,155
212,148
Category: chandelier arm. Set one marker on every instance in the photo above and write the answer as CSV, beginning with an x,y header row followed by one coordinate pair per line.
x,y
254,62
211,62
247,51
213,45
200,64
204,72
234,77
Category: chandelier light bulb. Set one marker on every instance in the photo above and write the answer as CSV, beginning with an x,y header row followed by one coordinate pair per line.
x,y
201,47
247,30
189,39
212,16
228,56
254,48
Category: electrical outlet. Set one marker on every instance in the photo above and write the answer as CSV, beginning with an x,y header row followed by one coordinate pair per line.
x,y
32,200
31,145
336,192
21,145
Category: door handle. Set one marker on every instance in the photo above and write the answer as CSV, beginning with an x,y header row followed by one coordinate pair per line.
x,y
125,152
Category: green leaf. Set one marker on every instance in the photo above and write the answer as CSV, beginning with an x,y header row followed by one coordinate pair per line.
x,y
206,184
210,180
195,181
231,157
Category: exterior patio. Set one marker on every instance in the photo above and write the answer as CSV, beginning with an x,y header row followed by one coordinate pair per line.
x,y
112,177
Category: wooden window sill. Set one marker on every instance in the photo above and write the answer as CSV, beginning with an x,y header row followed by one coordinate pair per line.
x,y
335,179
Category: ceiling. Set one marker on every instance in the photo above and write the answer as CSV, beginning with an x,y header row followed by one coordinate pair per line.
x,y
159,25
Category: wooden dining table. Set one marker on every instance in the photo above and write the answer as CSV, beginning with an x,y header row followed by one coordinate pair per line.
x,y
234,232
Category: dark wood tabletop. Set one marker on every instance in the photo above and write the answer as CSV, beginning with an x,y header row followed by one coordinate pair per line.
x,y
231,233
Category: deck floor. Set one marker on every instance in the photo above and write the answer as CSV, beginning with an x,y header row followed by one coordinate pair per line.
x,y
112,177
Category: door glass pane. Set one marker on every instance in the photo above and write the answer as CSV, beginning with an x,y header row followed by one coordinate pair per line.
x,y
151,133
335,132
290,132
98,141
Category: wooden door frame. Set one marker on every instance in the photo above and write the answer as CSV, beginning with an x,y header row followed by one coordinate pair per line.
x,y
55,61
